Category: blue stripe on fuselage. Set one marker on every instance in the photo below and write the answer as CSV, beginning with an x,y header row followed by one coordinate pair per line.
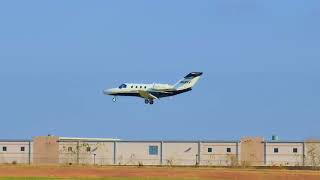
x,y
168,93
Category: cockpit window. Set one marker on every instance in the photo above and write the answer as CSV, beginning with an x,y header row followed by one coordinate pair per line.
x,y
122,86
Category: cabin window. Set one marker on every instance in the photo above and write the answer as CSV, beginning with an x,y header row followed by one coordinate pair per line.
x,y
136,86
131,86
209,150
145,87
140,87
228,150
22,148
122,86
153,150
295,150
275,150
4,148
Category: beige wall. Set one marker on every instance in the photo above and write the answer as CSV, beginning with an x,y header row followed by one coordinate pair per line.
x,y
180,153
133,153
68,157
285,156
252,151
14,153
219,155
312,152
103,153
49,150
45,150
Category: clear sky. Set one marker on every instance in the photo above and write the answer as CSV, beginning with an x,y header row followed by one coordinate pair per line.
x,y
261,64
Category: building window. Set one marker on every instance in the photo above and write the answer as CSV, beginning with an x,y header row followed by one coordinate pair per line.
x,y
22,148
295,150
153,150
275,150
69,149
229,150
4,148
88,149
209,150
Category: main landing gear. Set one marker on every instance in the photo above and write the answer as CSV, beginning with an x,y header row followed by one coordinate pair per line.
x,y
147,101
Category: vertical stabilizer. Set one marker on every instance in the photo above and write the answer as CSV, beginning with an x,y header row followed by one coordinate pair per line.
x,y
188,81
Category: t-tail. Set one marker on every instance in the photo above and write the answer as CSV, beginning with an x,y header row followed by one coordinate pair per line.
x,y
189,81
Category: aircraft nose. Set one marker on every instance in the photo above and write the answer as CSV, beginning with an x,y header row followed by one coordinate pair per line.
x,y
107,91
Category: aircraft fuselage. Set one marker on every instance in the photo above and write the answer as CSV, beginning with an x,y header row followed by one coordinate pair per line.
x,y
149,92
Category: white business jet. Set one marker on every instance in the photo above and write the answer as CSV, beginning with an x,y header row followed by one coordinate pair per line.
x,y
150,92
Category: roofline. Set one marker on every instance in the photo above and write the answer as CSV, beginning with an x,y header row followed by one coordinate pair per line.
x,y
86,139
15,140
146,141
275,142
76,139
176,141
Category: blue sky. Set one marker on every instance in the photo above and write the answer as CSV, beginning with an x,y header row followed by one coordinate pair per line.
x,y
261,64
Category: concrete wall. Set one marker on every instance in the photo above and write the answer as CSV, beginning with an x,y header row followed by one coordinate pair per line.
x,y
285,155
46,150
219,155
100,153
312,152
133,153
13,153
252,151
67,155
180,153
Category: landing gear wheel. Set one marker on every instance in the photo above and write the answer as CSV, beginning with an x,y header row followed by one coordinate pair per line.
x,y
114,99
146,101
151,102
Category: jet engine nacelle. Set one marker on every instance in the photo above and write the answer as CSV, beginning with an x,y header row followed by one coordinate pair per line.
x,y
162,86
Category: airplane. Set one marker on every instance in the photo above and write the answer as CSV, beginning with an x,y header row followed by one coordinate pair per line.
x,y
150,92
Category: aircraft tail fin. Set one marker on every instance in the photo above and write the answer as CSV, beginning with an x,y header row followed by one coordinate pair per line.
x,y
188,81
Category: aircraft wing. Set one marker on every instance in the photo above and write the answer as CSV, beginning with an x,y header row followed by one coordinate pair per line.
x,y
147,95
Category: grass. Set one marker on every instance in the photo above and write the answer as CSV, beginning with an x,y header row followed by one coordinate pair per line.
x,y
108,178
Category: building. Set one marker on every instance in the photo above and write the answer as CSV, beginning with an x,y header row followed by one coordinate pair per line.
x,y
253,151
15,151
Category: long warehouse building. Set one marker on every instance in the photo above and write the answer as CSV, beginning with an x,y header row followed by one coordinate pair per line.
x,y
250,151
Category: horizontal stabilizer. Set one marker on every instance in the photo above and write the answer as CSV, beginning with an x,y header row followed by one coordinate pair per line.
x,y
193,75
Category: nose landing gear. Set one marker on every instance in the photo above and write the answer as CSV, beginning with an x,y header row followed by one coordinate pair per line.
x,y
114,99
147,101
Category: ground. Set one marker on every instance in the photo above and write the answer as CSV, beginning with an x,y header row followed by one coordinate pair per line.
x,y
151,173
